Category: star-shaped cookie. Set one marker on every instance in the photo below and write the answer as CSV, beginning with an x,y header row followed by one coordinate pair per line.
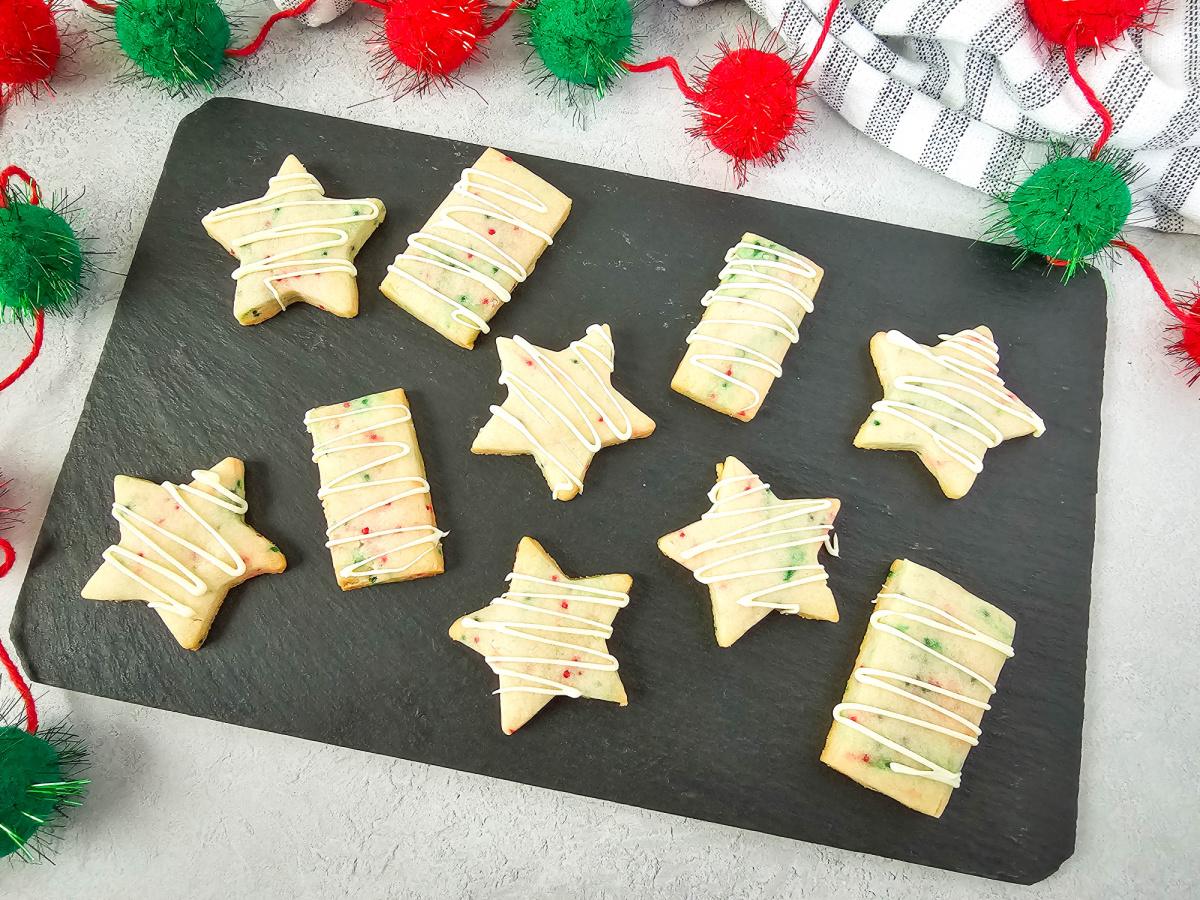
x,y
294,245
946,403
546,636
757,552
183,547
561,408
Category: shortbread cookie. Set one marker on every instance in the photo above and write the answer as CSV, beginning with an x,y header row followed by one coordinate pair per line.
x,y
461,267
546,636
373,488
757,552
750,320
294,245
561,408
946,403
925,674
183,547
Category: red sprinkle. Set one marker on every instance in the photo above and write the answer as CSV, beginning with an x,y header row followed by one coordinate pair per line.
x,y
601,419
428,507
729,371
366,531
681,534
347,405
491,231
529,362
476,640
565,605
866,757
554,578
852,718
566,673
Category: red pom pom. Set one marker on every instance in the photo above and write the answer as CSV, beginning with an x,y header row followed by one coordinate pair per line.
x,y
1094,22
423,42
29,46
1186,345
749,103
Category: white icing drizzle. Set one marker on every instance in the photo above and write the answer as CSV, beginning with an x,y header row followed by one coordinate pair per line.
x,y
422,240
431,534
573,392
324,229
786,325
980,379
538,633
880,678
756,531
175,571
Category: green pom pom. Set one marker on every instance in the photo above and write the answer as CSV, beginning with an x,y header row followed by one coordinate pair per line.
x,y
180,43
1069,209
41,262
33,786
582,42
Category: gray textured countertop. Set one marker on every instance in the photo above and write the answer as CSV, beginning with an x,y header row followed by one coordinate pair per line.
x,y
192,809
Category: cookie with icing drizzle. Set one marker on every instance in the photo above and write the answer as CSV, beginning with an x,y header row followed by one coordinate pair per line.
x,y
482,241
924,677
547,636
750,321
295,245
381,525
757,552
183,547
561,408
945,403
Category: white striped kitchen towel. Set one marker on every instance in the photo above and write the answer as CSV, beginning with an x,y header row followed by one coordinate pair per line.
x,y
969,89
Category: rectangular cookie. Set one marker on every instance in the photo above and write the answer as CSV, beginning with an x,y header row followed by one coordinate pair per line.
x,y
373,488
486,236
750,320
924,676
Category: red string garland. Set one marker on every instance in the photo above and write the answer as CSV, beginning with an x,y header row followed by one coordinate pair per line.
x,y
255,44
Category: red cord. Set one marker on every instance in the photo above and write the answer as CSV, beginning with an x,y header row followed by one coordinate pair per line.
x,y
39,331
1155,281
101,7
22,686
267,26
1086,89
667,62
501,19
812,57
35,192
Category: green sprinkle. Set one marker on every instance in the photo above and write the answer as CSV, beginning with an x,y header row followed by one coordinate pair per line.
x,y
935,646
903,628
877,422
366,476
374,579
787,576
273,549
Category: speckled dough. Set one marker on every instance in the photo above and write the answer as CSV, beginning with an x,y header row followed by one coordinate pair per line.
x,y
373,488
919,661
483,240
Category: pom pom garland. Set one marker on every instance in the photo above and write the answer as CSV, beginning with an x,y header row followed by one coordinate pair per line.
x,y
422,43
1068,210
1088,22
41,262
748,98
182,44
30,47
1185,345
37,769
581,43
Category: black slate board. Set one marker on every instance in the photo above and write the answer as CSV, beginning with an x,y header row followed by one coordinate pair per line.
x,y
730,736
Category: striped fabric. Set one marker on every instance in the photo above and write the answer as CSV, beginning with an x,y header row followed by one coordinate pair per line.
x,y
969,89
